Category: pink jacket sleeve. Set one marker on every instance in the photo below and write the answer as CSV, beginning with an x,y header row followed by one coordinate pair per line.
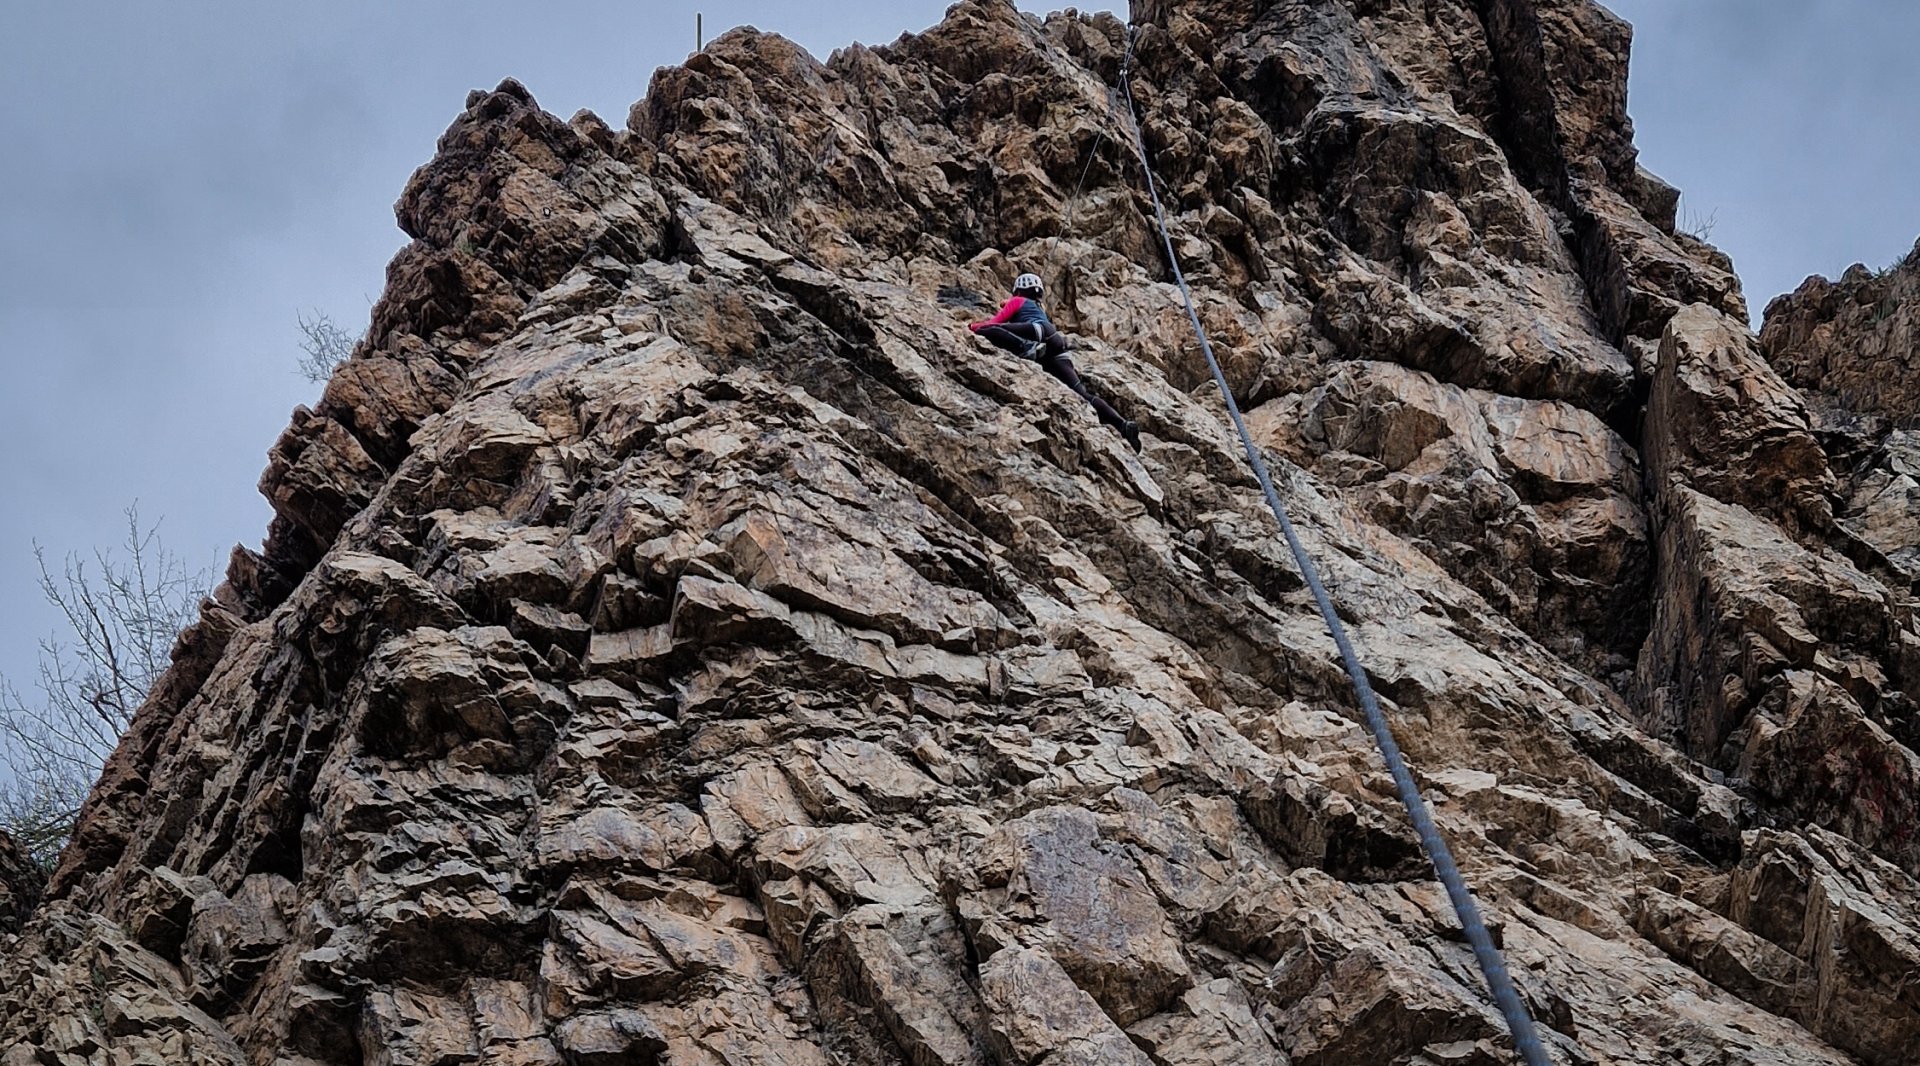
x,y
1007,311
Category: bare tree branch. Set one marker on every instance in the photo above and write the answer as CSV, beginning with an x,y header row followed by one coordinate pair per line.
x,y
323,346
121,614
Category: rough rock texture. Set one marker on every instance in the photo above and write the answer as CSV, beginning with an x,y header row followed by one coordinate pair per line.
x,y
1855,342
679,643
1853,348
21,881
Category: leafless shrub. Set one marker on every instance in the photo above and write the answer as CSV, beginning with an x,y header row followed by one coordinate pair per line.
x,y
323,346
121,610
1699,227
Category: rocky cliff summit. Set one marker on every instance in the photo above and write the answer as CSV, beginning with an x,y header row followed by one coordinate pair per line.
x,y
1853,348
679,641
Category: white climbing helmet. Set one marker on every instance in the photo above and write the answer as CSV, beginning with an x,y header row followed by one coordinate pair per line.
x,y
1028,283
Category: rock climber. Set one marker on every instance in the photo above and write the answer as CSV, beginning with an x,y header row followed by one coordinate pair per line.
x,y
1023,328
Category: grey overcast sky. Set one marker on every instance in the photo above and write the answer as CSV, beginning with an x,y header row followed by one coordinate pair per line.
x,y
180,179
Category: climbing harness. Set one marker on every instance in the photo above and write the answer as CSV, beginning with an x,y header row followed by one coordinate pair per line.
x,y
1519,1022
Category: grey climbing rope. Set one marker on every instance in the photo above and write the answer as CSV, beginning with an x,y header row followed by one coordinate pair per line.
x,y
1492,965
1093,156
1062,266
1065,236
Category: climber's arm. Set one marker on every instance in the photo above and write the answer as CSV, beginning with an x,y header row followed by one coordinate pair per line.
x,y
1007,311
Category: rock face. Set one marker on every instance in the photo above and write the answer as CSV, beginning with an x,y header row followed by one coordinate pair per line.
x,y
1853,348
1855,342
679,642
20,884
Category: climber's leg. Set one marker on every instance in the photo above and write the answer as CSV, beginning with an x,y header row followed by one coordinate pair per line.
x,y
1060,365
1018,339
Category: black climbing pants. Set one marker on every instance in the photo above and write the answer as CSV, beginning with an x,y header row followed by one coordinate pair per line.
x,y
1018,337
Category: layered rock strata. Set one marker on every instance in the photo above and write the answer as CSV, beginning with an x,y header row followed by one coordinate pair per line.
x,y
678,642
1853,343
20,884
1853,349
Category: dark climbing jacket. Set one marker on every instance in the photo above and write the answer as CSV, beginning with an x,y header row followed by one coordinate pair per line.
x,y
1017,310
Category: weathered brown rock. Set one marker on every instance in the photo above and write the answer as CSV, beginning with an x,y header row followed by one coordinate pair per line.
x,y
1853,348
1722,422
1856,340
1038,1016
1087,902
21,881
1744,604
1534,504
677,642
1782,641
1881,506
1217,1025
1799,915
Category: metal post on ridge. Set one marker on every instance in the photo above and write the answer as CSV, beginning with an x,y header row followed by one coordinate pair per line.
x,y
699,32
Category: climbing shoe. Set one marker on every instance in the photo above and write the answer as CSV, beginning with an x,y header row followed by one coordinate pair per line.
x,y
1131,430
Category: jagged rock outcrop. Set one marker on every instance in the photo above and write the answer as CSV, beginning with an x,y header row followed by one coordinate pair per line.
x,y
678,642
21,881
1853,348
1854,343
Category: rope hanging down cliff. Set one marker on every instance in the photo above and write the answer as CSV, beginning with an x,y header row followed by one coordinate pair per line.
x,y
1492,965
